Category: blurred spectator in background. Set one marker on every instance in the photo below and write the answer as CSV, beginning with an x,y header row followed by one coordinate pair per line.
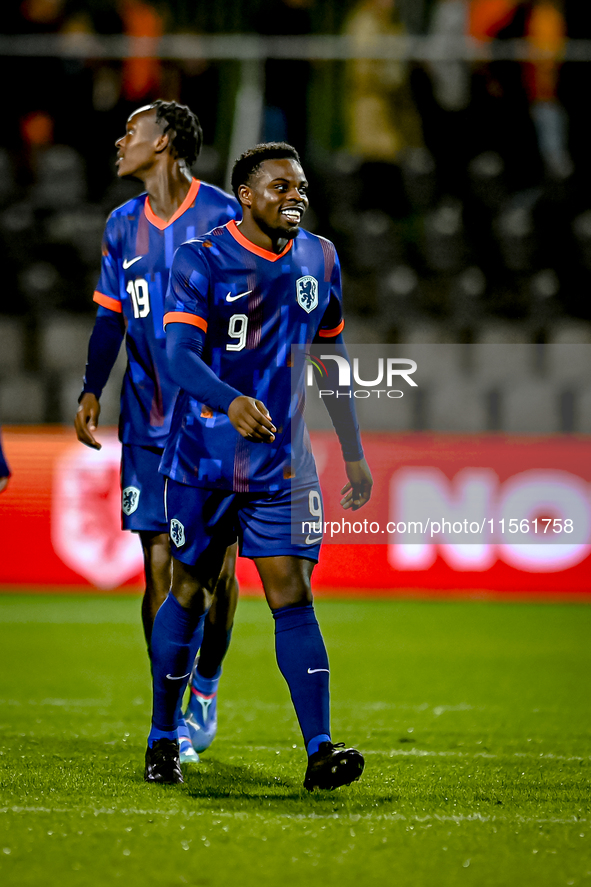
x,y
286,82
96,86
382,120
541,23
4,470
451,76
32,103
103,89
444,102
546,33
501,120
381,117
141,76
575,86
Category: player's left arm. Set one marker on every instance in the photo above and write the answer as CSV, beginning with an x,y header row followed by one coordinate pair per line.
x,y
341,410
357,490
105,340
4,470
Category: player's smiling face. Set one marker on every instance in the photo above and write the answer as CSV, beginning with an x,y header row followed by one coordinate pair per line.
x,y
278,197
136,150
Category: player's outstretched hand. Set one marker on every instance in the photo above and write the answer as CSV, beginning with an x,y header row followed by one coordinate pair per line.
x,y
357,492
86,420
251,419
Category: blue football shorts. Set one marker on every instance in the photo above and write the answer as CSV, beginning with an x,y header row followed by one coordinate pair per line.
x,y
142,490
281,522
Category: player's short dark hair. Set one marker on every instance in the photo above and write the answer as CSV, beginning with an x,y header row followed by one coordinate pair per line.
x,y
249,162
186,135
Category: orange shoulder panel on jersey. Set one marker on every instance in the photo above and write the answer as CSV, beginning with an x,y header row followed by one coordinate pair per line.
x,y
107,302
328,334
185,317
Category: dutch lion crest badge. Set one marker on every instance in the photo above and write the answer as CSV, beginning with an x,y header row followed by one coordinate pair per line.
x,y
177,532
130,499
307,292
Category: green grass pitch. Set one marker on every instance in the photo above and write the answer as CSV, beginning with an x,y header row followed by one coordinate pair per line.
x,y
474,718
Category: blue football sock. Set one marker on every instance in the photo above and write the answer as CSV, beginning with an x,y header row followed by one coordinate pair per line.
x,y
182,729
213,649
196,641
314,743
206,685
155,734
302,659
174,629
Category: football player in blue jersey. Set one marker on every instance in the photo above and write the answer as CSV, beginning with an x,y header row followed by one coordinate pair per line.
x,y
237,459
161,143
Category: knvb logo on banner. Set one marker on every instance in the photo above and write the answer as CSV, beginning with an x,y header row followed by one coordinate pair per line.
x,y
387,372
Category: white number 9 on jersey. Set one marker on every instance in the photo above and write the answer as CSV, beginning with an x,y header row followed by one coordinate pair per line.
x,y
237,330
315,506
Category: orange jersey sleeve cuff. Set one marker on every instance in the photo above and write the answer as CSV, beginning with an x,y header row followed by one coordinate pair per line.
x,y
328,334
108,302
185,317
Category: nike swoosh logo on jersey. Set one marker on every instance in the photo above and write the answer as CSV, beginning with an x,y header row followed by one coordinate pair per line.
x,y
127,263
313,541
231,298
314,670
179,677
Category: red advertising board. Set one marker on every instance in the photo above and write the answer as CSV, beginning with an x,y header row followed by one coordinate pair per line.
x,y
463,497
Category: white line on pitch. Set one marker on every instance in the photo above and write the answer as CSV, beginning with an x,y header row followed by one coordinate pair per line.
x,y
353,817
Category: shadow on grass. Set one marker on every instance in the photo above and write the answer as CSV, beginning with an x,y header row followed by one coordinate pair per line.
x,y
93,770
217,779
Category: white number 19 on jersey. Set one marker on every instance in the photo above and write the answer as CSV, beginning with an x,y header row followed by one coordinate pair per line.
x,y
140,297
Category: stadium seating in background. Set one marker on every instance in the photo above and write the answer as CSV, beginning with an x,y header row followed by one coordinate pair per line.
x,y
22,399
531,405
11,346
60,175
459,404
80,227
64,341
583,412
7,183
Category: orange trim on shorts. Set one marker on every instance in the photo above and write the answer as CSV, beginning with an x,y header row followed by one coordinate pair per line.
x,y
108,302
328,334
252,247
185,317
187,202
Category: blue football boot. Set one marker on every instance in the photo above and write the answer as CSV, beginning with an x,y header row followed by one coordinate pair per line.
x,y
201,714
187,755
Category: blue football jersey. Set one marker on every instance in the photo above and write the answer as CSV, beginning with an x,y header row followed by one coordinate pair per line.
x,y
254,306
138,248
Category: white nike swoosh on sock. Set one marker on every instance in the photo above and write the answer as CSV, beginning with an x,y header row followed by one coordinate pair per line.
x,y
314,670
179,677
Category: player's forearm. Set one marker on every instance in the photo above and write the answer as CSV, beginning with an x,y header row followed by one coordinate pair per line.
x,y
103,348
344,420
341,407
4,469
184,346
